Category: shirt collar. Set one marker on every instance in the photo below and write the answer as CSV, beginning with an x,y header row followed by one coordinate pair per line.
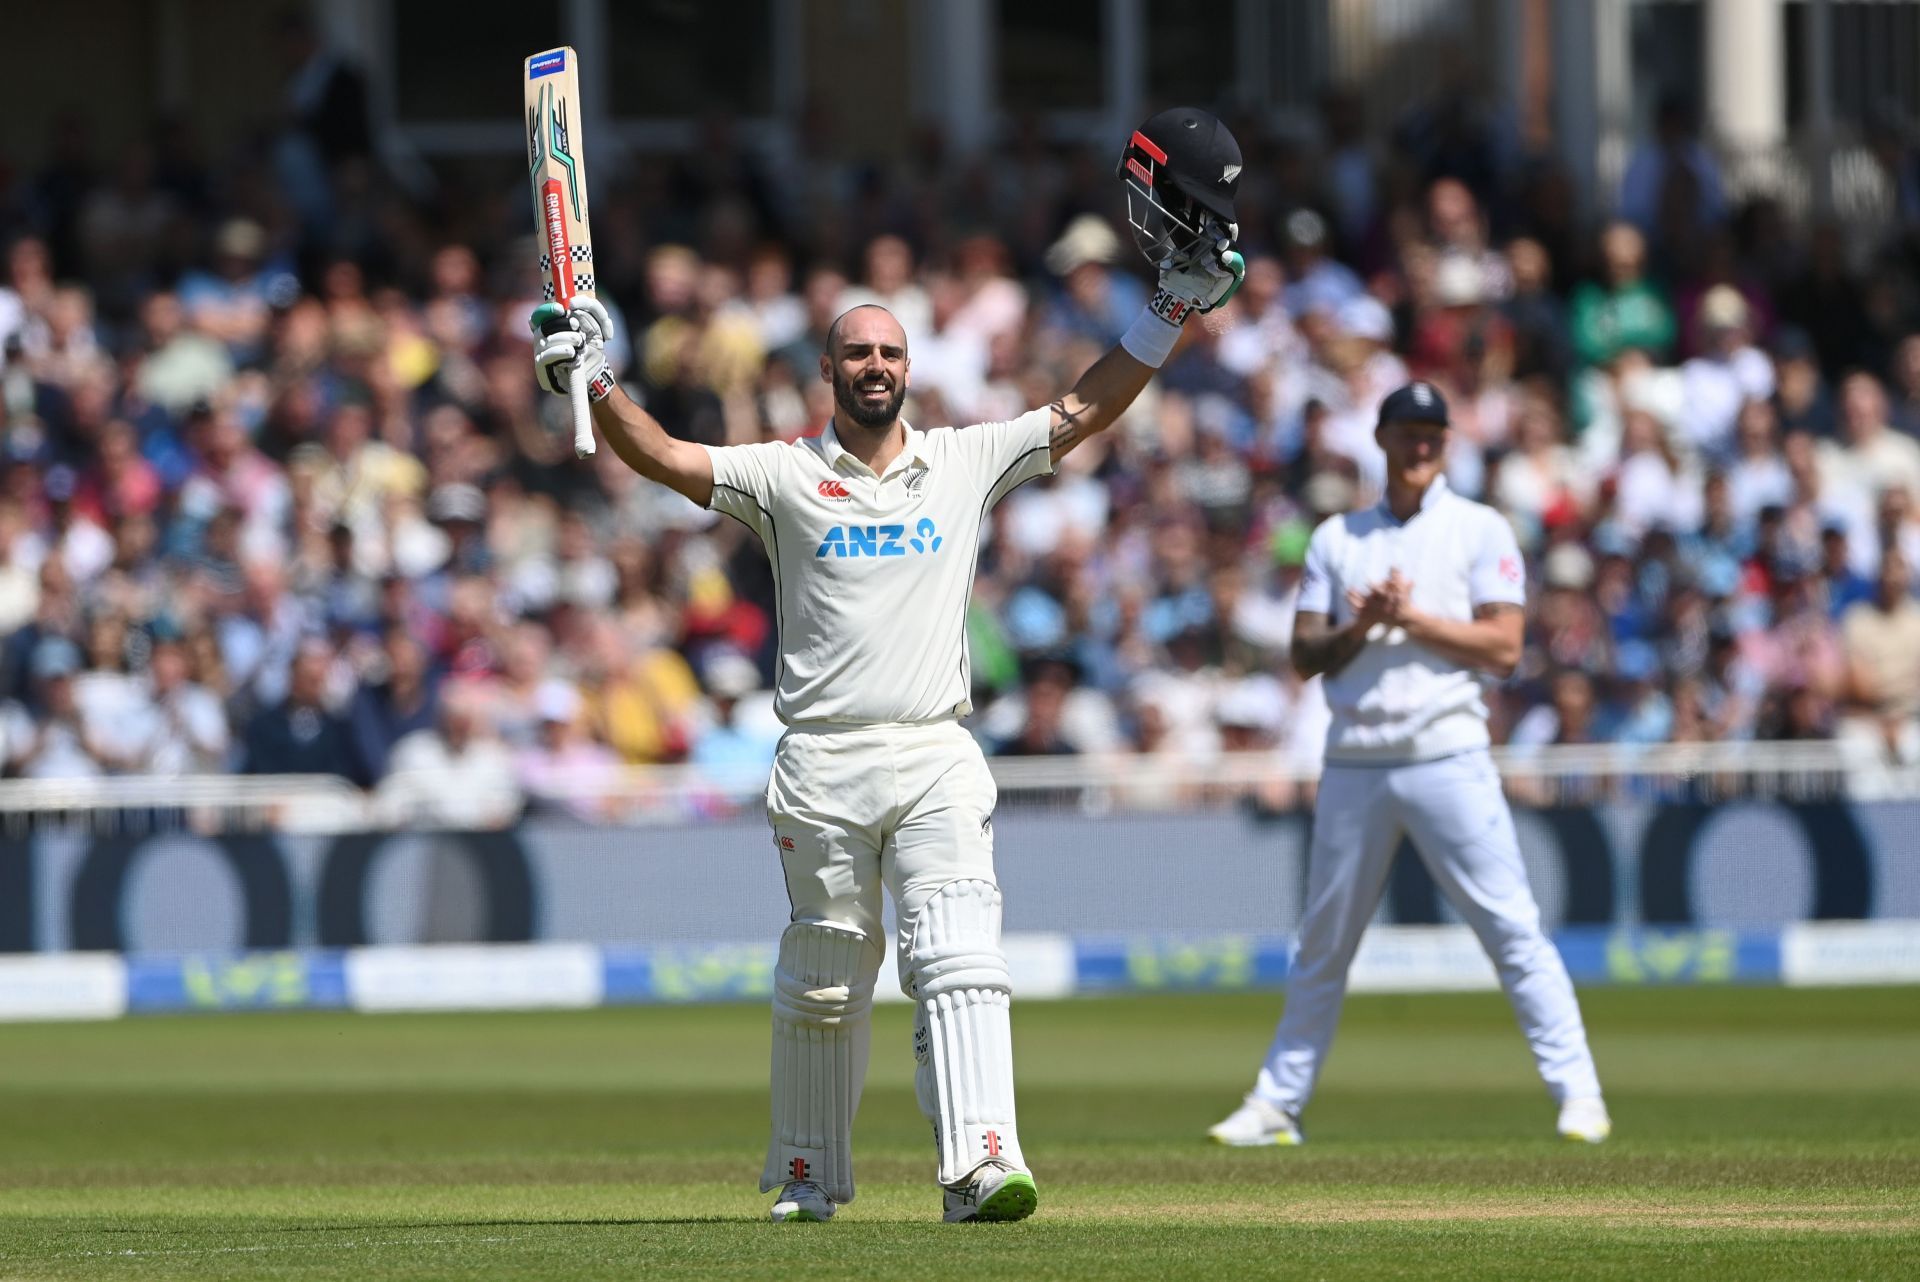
x,y
1433,494
913,452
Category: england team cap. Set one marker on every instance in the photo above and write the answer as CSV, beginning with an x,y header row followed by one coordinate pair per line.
x,y
1420,402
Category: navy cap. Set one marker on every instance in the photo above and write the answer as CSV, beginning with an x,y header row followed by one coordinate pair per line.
x,y
1420,402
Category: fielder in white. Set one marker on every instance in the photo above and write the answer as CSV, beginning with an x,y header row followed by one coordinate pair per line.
x,y
1408,608
873,529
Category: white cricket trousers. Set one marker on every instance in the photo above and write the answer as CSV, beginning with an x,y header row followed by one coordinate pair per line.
x,y
906,807
1457,816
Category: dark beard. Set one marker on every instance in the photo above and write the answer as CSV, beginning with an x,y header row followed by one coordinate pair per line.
x,y
867,415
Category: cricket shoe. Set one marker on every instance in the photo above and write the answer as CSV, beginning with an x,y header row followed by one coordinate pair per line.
x,y
802,1201
1585,1120
1257,1123
995,1195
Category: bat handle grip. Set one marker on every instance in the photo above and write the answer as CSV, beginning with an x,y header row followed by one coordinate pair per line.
x,y
582,415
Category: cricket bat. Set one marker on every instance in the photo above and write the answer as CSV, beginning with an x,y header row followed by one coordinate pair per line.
x,y
559,176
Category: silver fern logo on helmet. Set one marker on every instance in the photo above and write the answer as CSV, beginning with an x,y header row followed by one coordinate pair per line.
x,y
1176,207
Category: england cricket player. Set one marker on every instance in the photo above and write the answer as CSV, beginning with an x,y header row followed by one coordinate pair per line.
x,y
1407,609
873,529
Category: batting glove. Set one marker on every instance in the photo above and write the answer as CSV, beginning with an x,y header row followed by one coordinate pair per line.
x,y
1202,279
567,337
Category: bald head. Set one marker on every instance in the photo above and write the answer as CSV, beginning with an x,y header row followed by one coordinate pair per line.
x,y
866,362
866,323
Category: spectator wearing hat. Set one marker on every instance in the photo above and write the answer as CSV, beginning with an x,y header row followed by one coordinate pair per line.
x,y
735,747
1881,636
1316,282
563,770
47,736
1728,372
1093,301
1638,711
1357,370
1623,309
233,301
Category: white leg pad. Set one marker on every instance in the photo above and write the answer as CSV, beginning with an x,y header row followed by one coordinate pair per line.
x,y
822,1001
962,1034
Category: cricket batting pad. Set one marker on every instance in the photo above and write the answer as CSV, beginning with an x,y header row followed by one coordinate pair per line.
x,y
962,1033
822,998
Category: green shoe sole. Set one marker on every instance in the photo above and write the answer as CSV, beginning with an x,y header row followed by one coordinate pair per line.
x,y
1013,1200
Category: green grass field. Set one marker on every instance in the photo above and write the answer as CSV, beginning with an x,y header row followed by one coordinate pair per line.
x,y
1760,1133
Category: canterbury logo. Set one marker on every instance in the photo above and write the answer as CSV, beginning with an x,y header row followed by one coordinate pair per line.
x,y
835,490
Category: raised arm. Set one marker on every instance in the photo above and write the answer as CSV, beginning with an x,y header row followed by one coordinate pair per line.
x,y
643,445
635,435
1101,396
1103,393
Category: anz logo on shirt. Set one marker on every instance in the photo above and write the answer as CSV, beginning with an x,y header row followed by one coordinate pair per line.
x,y
879,540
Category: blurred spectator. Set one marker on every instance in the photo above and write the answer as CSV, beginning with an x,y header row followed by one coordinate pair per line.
x,y
1674,155
1728,372
1801,399
405,700
187,732
562,770
1623,309
730,749
1882,638
301,735
1316,281
48,738
454,774
1093,301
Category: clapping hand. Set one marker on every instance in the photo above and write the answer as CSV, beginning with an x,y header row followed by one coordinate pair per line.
x,y
1389,601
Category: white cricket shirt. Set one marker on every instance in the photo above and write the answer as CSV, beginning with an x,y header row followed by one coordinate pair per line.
x,y
1398,701
872,574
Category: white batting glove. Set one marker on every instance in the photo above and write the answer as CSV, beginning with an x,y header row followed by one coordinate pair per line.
x,y
566,338
590,318
1203,279
1197,282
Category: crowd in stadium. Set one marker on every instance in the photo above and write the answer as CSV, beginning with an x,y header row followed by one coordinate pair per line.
x,y
278,492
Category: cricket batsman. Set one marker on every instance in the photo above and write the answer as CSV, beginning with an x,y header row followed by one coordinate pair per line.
x,y
1408,609
873,530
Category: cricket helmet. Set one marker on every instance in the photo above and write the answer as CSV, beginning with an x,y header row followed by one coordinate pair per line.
x,y
1181,169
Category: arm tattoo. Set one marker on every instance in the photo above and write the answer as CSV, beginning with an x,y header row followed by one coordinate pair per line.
x,y
1494,609
1068,433
1320,648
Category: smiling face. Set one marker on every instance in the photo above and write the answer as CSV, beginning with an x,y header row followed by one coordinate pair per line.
x,y
866,362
